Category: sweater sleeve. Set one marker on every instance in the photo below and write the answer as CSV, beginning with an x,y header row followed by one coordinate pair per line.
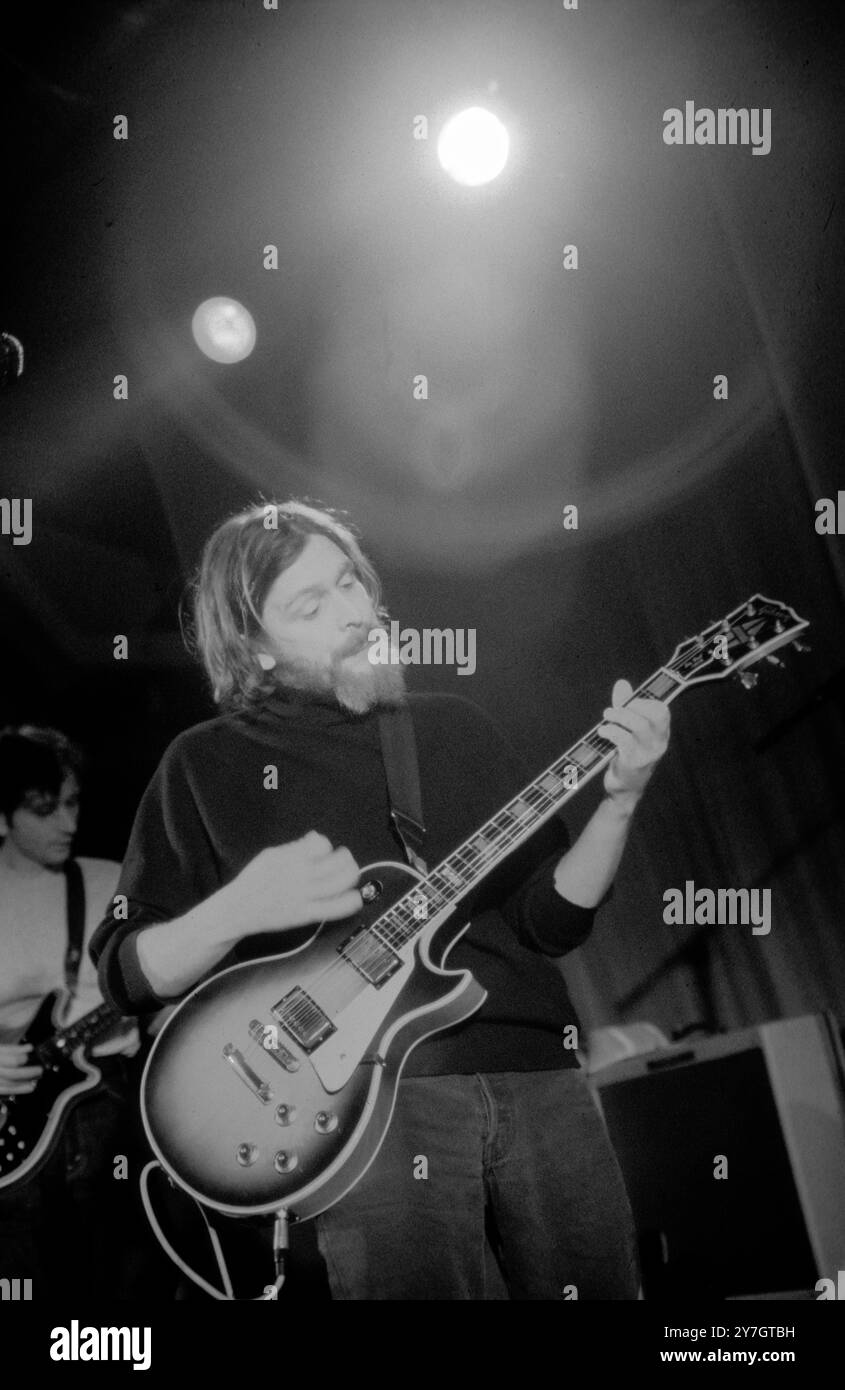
x,y
169,867
541,918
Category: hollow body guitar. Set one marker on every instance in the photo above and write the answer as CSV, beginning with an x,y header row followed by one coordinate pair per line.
x,y
272,1084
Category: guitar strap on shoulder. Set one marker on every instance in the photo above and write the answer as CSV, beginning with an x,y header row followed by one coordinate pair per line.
x,y
399,755
75,888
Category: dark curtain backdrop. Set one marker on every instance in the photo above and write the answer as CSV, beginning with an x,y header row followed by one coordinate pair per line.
x,y
751,793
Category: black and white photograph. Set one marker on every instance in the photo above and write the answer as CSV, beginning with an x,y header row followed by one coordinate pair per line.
x,y
422,723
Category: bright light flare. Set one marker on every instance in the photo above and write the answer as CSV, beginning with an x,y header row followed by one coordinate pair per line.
x,y
473,146
223,329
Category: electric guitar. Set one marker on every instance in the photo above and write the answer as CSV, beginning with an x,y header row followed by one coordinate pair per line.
x,y
272,1085
31,1122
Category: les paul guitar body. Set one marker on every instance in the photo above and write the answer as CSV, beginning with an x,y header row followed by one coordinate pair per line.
x,y
274,1082
272,1085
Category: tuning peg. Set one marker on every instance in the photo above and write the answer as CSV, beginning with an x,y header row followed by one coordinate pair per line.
x,y
802,646
774,660
748,679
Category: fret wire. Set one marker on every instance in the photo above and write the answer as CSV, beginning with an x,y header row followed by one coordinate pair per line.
x,y
381,937
395,929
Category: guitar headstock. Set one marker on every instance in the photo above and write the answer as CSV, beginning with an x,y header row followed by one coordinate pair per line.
x,y
754,630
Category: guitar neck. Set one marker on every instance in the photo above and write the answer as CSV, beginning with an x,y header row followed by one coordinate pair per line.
x,y
457,875
84,1030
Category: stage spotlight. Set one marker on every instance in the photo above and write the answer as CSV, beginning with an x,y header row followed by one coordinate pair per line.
x,y
223,329
473,146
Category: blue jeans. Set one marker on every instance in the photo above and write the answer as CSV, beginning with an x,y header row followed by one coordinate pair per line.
x,y
486,1187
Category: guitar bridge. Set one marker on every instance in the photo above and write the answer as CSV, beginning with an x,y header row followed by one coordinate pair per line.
x,y
268,1036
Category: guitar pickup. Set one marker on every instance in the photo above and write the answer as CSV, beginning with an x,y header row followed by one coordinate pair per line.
x,y
250,1078
267,1034
303,1019
370,956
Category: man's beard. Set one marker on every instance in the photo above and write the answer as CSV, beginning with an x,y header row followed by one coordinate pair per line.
x,y
357,689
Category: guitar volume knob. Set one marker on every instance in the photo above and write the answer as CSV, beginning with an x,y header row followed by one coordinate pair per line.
x,y
325,1121
285,1161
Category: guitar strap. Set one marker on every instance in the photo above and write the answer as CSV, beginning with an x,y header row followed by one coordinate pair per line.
x,y
75,889
399,755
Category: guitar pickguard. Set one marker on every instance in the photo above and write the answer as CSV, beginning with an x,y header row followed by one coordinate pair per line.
x,y
357,1025
336,1059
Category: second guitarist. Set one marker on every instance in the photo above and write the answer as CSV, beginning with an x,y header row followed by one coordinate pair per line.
x,y
68,1227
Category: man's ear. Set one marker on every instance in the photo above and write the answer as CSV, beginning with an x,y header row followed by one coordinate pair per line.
x,y
266,661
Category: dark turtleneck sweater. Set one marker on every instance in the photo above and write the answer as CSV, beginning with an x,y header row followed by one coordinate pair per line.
x,y
207,813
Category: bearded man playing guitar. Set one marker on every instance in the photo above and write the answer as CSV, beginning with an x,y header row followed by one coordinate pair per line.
x,y
253,829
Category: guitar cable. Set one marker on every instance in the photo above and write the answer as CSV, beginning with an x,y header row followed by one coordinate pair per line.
x,y
280,1245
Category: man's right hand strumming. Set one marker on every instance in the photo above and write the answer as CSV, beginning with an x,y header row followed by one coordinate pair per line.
x,y
298,884
291,885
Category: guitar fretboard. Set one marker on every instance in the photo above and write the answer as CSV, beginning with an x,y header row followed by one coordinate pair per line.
x,y
461,871
84,1030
